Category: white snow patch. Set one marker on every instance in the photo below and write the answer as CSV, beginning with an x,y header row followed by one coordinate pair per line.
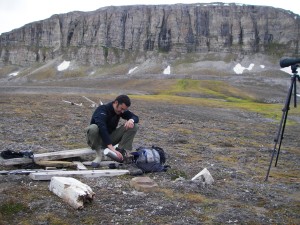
x,y
131,70
239,69
63,66
13,74
167,70
287,70
262,66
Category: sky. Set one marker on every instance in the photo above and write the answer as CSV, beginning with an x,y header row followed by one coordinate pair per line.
x,y
16,13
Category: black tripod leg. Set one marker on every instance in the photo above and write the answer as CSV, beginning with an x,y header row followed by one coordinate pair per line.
x,y
280,132
295,93
287,110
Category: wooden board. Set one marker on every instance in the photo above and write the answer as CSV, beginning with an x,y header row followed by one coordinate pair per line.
x,y
24,171
71,191
102,163
48,156
79,165
59,164
15,161
82,173
63,154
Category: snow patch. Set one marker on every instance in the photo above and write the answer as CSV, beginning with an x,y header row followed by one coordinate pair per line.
x,y
63,66
167,70
262,66
131,70
239,69
287,70
13,74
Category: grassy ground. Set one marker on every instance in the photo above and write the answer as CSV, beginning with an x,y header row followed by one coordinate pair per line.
x,y
211,124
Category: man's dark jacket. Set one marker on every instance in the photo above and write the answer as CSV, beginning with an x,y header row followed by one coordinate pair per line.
x,y
107,120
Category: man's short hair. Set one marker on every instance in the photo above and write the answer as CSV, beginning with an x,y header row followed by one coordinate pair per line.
x,y
123,99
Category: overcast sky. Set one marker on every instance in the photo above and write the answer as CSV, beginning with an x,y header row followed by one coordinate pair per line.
x,y
16,13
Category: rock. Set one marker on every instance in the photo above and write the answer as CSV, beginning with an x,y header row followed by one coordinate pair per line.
x,y
204,176
144,184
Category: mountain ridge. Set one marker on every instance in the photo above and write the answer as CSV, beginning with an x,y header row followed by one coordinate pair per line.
x,y
134,34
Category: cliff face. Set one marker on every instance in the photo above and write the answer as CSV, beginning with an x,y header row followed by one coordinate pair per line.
x,y
116,34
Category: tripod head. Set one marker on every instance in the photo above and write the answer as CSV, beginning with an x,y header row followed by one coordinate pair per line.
x,y
294,69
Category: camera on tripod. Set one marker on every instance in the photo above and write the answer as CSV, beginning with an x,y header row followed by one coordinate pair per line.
x,y
285,62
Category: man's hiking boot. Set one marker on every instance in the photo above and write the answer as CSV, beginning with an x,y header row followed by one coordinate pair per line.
x,y
98,159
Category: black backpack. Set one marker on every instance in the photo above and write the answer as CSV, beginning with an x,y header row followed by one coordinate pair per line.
x,y
150,159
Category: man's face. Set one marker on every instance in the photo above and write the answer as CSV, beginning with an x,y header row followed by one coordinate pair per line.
x,y
119,108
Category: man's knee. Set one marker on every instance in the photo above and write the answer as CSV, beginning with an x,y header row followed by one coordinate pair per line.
x,y
92,130
135,127
92,136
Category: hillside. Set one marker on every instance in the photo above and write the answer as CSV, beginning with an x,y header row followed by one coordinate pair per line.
x,y
114,40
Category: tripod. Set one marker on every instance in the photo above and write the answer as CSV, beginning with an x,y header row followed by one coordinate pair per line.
x,y
285,110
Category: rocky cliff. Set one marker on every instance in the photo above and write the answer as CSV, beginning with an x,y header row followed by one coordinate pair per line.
x,y
118,34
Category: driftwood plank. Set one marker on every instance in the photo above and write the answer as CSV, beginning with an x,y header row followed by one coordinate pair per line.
x,y
63,154
23,171
79,165
60,164
102,163
48,156
15,161
82,173
71,191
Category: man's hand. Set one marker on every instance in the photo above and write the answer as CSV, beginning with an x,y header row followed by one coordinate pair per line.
x,y
120,156
129,124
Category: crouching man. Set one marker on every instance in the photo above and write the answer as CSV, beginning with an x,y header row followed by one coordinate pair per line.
x,y
103,131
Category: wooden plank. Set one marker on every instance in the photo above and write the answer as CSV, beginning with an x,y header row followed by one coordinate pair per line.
x,y
15,161
63,154
79,165
59,164
23,171
48,156
83,173
102,163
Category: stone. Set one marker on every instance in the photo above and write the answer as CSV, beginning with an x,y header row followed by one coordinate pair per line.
x,y
204,176
145,184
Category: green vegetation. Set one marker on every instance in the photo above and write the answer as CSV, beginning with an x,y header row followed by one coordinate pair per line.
x,y
6,70
43,74
10,208
74,73
208,88
215,94
174,173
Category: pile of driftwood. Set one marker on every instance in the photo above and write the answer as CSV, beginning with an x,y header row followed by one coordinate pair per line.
x,y
57,164
59,169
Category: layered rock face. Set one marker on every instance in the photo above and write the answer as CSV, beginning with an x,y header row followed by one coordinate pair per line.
x,y
118,34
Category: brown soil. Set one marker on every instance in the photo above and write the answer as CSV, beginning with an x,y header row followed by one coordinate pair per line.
x,y
233,144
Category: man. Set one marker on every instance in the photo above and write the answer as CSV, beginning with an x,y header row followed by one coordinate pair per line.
x,y
104,133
